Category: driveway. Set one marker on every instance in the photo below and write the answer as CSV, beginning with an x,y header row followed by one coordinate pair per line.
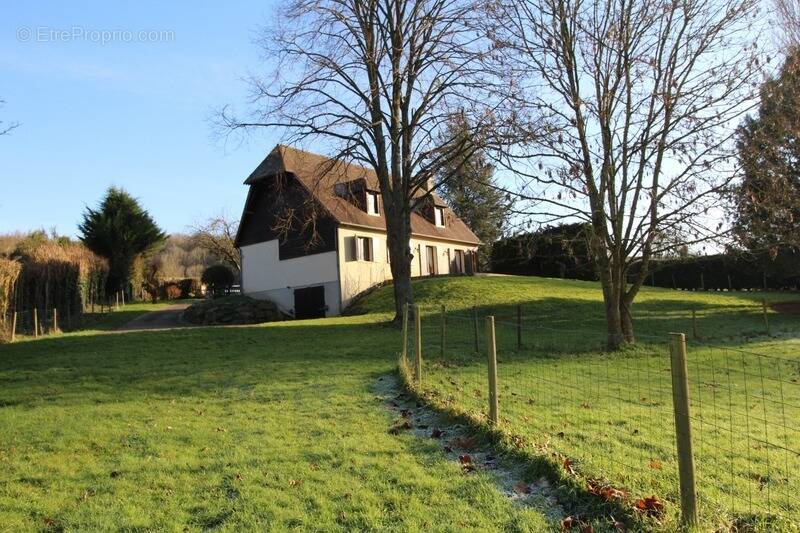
x,y
167,318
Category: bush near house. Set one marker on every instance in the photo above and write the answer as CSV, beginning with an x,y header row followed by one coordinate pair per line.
x,y
232,310
218,278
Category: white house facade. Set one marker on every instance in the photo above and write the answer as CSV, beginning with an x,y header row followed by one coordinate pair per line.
x,y
313,237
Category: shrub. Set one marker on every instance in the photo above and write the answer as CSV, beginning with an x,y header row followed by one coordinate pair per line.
x,y
9,273
58,274
218,278
733,271
232,310
173,291
190,288
554,251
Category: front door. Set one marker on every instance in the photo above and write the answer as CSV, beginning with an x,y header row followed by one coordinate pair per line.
x,y
309,302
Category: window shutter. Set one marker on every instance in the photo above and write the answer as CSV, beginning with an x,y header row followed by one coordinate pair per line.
x,y
350,249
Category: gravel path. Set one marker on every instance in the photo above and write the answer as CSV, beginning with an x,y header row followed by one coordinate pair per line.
x,y
167,318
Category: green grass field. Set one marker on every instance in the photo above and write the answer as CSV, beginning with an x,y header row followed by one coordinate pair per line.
x,y
278,426
611,415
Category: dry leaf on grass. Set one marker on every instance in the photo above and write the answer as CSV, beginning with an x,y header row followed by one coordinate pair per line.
x,y
651,506
521,488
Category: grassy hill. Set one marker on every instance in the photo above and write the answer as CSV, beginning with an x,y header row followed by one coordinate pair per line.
x,y
609,415
278,426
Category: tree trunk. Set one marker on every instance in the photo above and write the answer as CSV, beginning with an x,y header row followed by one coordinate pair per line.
x,y
398,233
614,334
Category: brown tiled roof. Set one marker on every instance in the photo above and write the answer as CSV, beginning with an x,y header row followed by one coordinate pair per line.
x,y
320,175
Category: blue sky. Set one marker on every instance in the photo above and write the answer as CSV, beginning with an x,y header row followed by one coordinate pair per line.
x,y
125,113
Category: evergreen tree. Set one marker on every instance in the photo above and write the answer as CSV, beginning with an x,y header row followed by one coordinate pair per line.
x,y
471,190
120,230
767,201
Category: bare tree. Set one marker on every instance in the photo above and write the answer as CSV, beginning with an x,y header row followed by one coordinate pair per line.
x,y
378,81
6,129
217,236
787,13
641,99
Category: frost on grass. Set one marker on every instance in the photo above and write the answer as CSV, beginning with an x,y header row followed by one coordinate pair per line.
x,y
463,448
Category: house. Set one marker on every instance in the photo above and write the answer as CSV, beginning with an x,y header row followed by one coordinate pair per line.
x,y
313,234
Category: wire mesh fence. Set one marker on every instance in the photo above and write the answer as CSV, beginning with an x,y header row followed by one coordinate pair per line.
x,y
610,418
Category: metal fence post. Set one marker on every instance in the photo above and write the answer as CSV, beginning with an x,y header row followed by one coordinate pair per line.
x,y
683,429
444,331
491,351
519,327
417,345
475,328
766,319
405,334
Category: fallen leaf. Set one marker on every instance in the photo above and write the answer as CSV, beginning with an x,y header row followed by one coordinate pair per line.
x,y
568,466
521,488
296,482
238,476
651,506
221,430
466,462
655,464
465,443
49,522
568,523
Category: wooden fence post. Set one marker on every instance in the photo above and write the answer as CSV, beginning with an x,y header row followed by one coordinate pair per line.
x,y
766,319
683,429
13,326
122,296
444,330
116,295
35,322
519,327
55,319
405,334
694,325
475,328
417,345
491,351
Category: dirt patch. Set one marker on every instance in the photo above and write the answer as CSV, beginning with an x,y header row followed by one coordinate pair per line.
x,y
464,449
786,308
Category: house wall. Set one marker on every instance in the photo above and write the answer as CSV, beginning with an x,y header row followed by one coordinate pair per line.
x,y
358,275
265,276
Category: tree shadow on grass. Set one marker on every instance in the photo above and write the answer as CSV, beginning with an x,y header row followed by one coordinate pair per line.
x,y
575,326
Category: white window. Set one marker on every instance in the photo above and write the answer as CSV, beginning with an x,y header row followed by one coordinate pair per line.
x,y
372,203
364,248
438,213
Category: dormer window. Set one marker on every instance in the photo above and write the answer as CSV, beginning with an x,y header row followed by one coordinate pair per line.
x,y
438,216
372,203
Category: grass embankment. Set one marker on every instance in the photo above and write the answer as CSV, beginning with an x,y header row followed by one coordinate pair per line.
x,y
277,426
611,415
